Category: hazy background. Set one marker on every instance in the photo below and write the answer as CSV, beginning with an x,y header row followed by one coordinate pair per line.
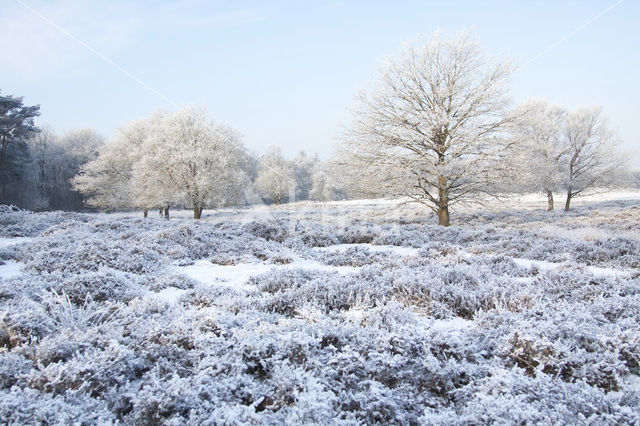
x,y
284,73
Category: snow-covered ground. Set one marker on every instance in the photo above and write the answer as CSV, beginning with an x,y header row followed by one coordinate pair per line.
x,y
10,269
9,242
237,276
594,270
396,207
353,312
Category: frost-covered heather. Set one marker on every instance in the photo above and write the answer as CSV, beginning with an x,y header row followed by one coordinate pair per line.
x,y
344,313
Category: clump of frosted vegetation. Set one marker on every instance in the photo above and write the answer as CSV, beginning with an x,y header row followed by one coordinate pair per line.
x,y
359,321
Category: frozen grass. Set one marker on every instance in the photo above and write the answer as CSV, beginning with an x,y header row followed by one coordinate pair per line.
x,y
356,312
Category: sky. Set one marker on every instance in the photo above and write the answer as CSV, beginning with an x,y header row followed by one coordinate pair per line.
x,y
286,72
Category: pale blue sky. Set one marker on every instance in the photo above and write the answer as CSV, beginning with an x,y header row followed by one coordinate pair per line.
x,y
285,72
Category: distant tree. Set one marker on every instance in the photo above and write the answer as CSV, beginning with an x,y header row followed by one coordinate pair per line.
x,y
592,157
44,151
67,156
634,179
360,173
541,147
303,169
324,187
276,179
250,164
16,127
432,127
41,147
320,188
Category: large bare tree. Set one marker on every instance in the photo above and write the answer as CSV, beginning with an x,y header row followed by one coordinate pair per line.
x,y
432,124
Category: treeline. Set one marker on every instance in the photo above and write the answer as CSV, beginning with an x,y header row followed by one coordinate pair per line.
x,y
168,160
185,160
36,165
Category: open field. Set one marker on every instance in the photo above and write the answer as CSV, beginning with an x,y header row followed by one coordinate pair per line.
x,y
354,312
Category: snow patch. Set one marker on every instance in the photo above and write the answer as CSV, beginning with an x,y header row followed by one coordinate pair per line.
x,y
10,270
8,242
236,276
314,265
398,250
354,314
170,294
451,324
546,266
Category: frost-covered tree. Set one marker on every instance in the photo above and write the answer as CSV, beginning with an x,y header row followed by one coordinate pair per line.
x,y
16,123
560,150
276,180
303,167
431,127
324,185
320,189
68,154
16,127
250,164
180,158
592,155
106,182
192,161
541,146
634,178
43,147
52,162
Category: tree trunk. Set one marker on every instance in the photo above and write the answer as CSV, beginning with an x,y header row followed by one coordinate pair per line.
x,y
443,216
166,213
443,202
568,203
3,148
197,212
549,200
145,213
